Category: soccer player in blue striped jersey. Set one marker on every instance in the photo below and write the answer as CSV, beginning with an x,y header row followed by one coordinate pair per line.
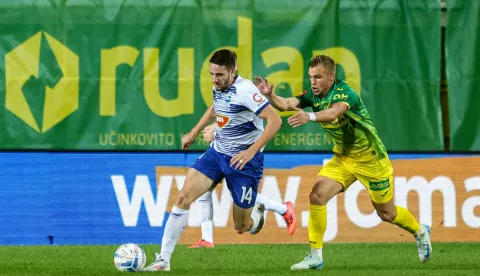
x,y
205,205
236,155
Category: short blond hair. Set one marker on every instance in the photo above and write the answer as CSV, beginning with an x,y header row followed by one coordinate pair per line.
x,y
324,60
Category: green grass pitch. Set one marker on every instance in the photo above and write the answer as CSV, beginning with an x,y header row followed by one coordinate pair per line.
x,y
265,259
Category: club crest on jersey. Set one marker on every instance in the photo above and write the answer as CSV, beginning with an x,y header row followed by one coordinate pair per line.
x,y
221,120
228,99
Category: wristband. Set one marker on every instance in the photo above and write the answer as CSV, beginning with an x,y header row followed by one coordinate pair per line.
x,y
312,116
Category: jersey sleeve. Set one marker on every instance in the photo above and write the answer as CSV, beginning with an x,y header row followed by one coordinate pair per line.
x,y
303,99
254,100
347,96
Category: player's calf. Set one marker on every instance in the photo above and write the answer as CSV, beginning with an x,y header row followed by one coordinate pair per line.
x,y
241,219
251,219
386,216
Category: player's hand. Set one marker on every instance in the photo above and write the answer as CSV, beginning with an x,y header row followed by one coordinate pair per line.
x,y
188,139
209,133
242,158
299,118
262,85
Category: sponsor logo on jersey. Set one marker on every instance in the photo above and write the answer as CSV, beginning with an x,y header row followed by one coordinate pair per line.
x,y
341,121
380,185
340,96
221,120
257,98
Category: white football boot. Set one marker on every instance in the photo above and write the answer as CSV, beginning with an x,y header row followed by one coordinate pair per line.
x,y
423,243
310,262
259,208
158,265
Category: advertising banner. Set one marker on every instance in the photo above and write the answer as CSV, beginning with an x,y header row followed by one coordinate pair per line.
x,y
98,198
134,75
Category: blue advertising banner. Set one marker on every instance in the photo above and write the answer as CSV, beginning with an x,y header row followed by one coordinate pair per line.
x,y
114,198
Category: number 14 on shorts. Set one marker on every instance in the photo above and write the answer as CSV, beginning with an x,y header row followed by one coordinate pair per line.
x,y
246,194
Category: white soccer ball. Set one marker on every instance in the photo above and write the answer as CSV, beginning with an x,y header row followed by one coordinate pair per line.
x,y
129,257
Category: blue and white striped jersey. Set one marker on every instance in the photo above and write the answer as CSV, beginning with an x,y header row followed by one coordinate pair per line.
x,y
236,113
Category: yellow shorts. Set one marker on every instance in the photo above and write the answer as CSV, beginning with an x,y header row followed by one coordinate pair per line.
x,y
375,175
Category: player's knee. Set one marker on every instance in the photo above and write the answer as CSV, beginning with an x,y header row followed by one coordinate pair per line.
x,y
317,197
386,216
183,201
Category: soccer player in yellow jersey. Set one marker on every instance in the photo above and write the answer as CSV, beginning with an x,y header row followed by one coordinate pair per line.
x,y
358,154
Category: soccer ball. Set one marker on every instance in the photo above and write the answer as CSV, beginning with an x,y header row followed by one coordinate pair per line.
x,y
129,257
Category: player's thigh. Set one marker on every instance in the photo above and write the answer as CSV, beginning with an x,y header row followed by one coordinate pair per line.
x,y
243,184
244,189
324,189
201,177
209,165
332,179
379,188
377,177
196,184
207,196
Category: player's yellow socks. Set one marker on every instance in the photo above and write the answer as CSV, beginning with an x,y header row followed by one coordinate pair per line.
x,y
317,224
405,220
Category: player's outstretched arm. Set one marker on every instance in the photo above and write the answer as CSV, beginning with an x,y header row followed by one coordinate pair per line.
x,y
274,122
325,116
189,138
280,103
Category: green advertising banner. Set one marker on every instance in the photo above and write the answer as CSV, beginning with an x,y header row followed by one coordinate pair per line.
x,y
133,75
463,74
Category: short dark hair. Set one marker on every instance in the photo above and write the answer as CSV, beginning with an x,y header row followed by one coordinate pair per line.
x,y
225,58
324,60
234,55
